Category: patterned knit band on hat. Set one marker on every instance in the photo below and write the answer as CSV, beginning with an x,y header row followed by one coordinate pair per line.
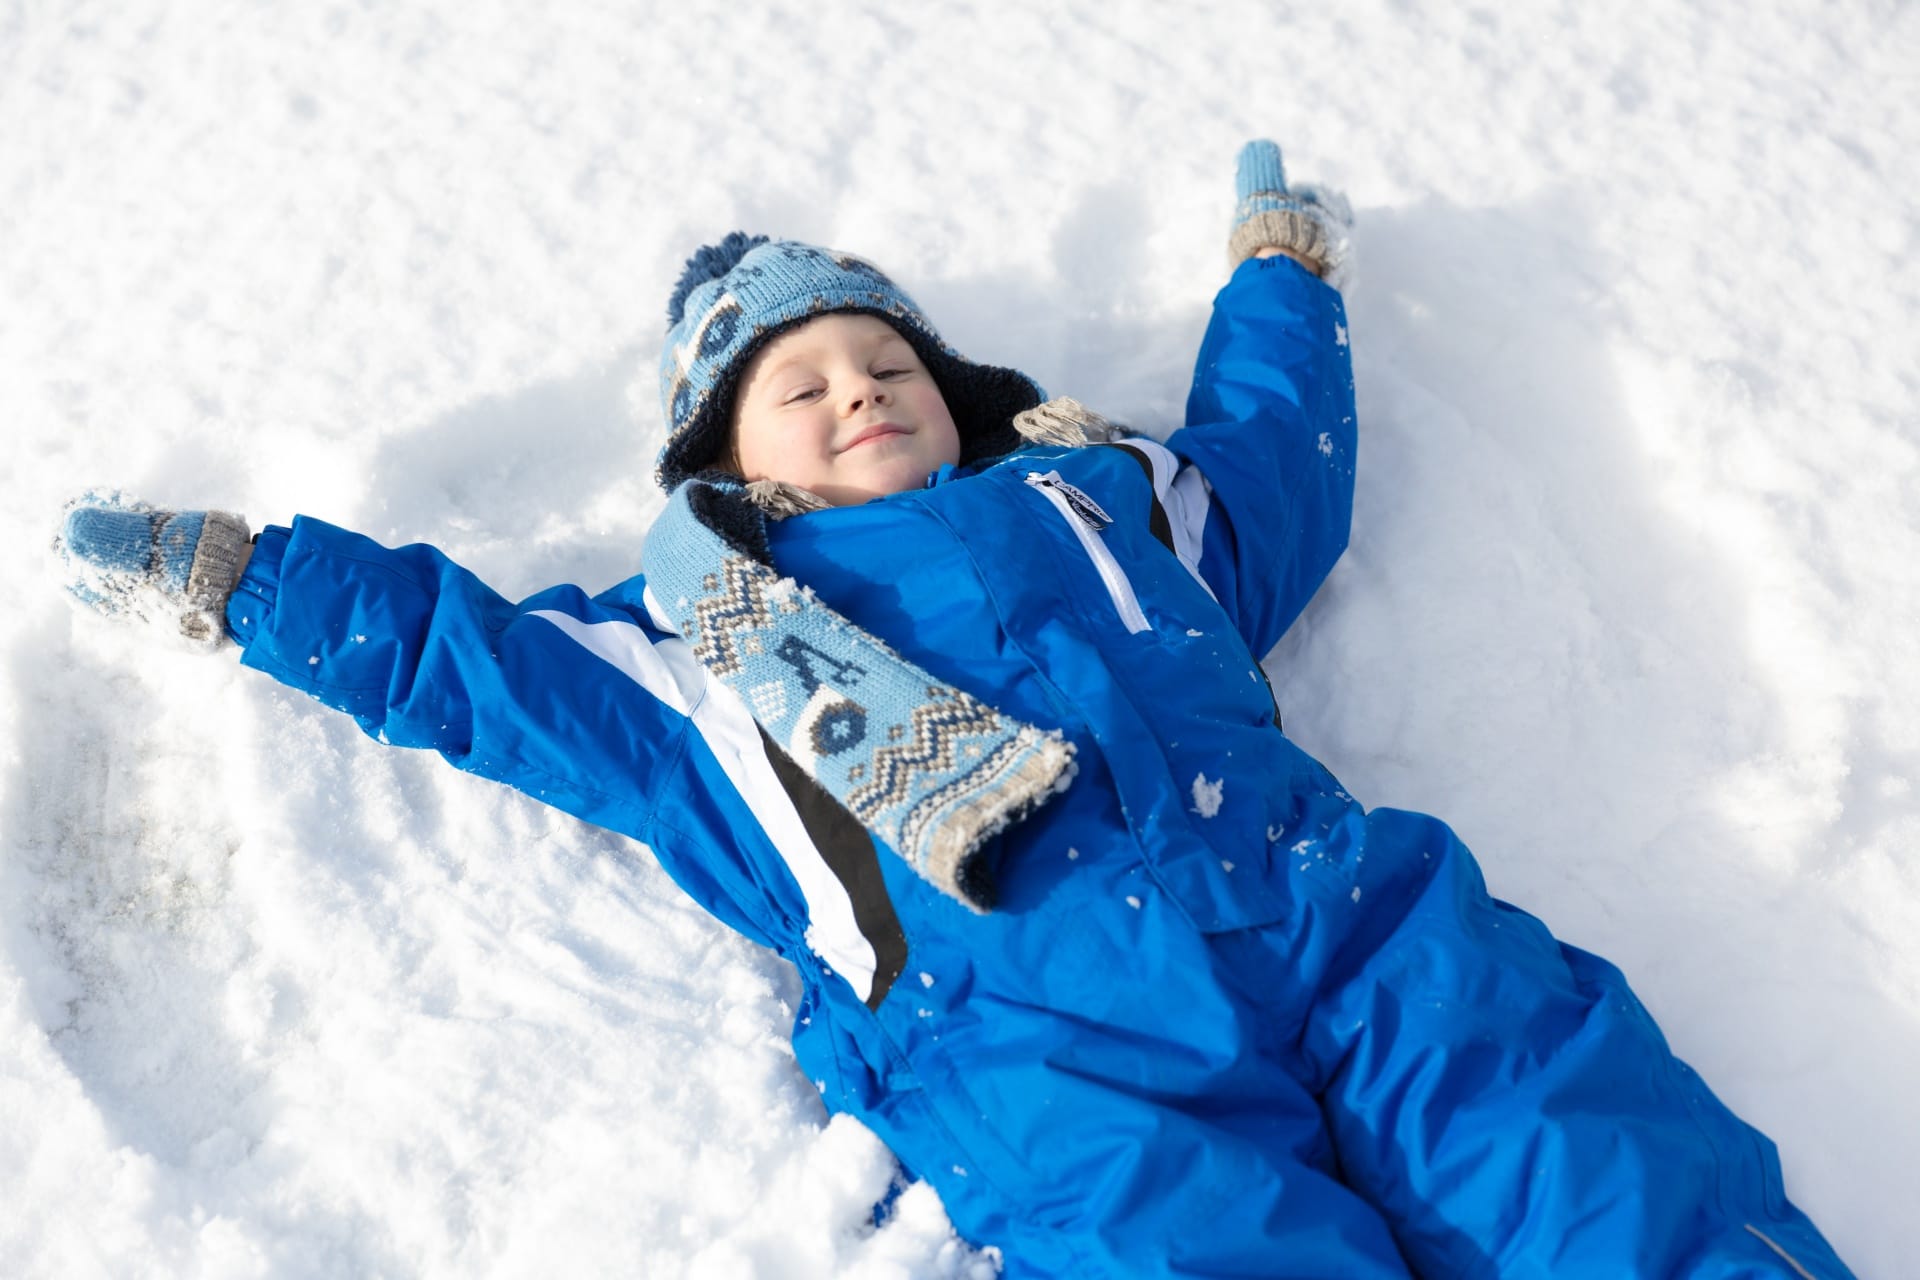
x,y
736,296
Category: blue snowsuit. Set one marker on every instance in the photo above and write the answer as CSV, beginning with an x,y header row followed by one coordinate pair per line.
x,y
1223,1020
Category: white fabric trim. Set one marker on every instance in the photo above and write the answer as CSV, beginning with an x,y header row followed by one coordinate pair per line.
x,y
626,647
1165,463
1188,501
1184,495
668,670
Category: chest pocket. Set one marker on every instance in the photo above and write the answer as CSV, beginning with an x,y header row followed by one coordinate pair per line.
x,y
1087,521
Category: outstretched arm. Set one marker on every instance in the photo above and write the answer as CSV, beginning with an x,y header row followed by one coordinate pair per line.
x,y
578,701
583,703
1270,437
421,653
416,649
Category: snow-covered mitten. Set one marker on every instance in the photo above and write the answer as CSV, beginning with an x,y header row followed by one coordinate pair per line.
x,y
1312,223
170,569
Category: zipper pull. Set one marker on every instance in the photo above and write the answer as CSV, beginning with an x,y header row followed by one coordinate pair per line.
x,y
1090,512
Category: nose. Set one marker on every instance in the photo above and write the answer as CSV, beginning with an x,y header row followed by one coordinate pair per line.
x,y
865,395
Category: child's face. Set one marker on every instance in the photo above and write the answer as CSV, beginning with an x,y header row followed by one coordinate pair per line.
x,y
843,407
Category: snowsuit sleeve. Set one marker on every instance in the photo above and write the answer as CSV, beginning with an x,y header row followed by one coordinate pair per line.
x,y
569,698
1265,497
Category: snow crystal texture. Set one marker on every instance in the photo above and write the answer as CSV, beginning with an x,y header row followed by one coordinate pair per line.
x,y
1631,598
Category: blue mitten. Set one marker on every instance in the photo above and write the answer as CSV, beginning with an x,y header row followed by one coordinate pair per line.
x,y
170,569
1312,223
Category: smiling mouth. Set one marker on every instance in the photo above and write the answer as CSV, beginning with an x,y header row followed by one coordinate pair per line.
x,y
878,431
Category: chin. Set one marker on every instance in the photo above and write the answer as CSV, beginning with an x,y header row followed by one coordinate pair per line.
x,y
897,477
850,492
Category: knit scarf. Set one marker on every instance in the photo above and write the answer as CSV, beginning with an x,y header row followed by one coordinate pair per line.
x,y
930,771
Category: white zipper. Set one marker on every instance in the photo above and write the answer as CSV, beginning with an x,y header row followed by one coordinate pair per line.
x,y
1084,516
1791,1261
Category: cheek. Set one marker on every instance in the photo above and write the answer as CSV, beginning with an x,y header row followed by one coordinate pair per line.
x,y
748,445
774,449
933,411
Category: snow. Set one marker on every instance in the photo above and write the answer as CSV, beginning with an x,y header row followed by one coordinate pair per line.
x,y
1207,794
1631,597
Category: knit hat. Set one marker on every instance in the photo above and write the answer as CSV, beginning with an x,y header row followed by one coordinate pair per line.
x,y
736,296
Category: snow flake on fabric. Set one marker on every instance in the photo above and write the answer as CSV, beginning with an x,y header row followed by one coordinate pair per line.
x,y
1208,795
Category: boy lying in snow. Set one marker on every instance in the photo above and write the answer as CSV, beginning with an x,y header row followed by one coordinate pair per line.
x,y
955,702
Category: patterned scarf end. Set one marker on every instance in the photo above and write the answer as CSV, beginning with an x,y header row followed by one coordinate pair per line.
x,y
945,838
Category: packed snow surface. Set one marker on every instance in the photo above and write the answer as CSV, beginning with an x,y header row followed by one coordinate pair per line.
x,y
1631,601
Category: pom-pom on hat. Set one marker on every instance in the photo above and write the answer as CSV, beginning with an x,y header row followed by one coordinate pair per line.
x,y
736,296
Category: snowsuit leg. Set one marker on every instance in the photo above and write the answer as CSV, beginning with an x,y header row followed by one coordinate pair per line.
x,y
1084,1091
1194,1199
1512,1108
